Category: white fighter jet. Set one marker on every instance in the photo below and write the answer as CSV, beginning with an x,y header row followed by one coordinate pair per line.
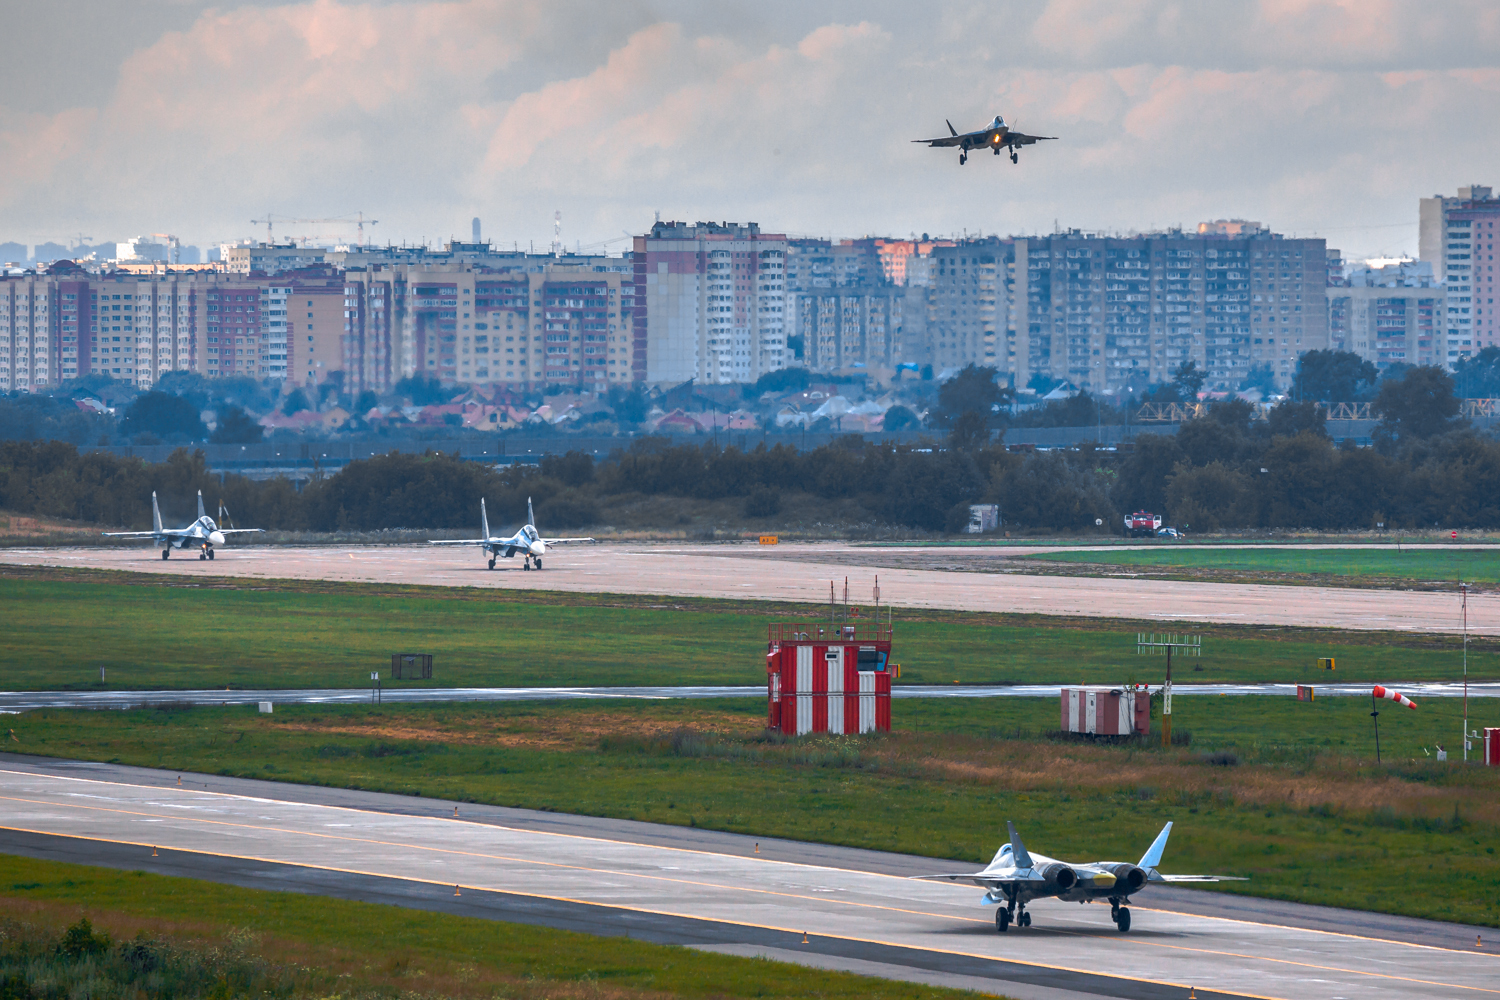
x,y
203,532
996,136
526,541
1015,877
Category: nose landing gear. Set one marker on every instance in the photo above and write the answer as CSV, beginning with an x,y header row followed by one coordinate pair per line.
x,y
492,562
166,552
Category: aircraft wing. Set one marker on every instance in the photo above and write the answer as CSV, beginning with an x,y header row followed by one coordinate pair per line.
x,y
985,880
239,531
135,534
1158,877
947,140
565,541
462,541
1022,139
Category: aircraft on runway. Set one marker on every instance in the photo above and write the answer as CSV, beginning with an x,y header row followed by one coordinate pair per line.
x,y
995,136
1015,877
203,531
526,541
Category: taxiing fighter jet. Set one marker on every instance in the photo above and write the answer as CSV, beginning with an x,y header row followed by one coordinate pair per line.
x,y
1015,877
526,541
995,136
203,532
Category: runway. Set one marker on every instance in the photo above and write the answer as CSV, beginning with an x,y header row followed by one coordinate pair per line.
x,y
856,908
23,701
802,573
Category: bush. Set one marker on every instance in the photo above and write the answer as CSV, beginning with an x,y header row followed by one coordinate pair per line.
x,y
763,502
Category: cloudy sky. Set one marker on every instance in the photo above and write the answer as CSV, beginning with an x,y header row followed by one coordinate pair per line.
x,y
122,117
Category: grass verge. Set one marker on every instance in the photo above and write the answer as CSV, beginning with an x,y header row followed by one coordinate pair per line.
x,y
1424,564
206,939
154,631
1284,792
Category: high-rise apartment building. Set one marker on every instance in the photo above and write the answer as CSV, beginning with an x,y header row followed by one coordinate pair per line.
x,y
711,302
859,326
1389,315
1457,237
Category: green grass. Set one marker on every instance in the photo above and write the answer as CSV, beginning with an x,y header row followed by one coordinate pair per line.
x,y
1284,792
1428,563
150,632
366,949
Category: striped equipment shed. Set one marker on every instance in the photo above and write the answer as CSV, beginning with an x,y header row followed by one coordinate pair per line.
x,y
1106,711
828,678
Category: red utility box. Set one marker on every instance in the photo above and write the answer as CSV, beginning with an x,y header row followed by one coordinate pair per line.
x,y
1492,747
828,678
1106,711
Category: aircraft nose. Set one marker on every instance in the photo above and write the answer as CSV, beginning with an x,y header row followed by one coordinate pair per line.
x,y
538,549
216,537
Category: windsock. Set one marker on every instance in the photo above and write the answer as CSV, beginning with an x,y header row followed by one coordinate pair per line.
x,y
1395,696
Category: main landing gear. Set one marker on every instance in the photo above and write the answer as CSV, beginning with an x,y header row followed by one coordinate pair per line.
x,y
166,552
963,158
1013,157
1013,914
1120,915
492,562
537,560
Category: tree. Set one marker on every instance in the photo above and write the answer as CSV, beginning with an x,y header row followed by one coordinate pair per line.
x,y
630,405
235,426
296,402
1042,384
164,415
900,418
783,380
969,432
1188,381
1333,377
1290,419
1479,377
1260,377
1417,406
423,390
972,390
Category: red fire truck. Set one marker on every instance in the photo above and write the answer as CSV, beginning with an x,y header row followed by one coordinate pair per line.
x,y
1142,524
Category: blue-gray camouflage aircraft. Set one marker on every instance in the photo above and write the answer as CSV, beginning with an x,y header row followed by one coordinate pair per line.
x,y
203,532
526,541
995,136
1015,877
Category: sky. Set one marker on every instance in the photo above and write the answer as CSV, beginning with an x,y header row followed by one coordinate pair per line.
x,y
125,117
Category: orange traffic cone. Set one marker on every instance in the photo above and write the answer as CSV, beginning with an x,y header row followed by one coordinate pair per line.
x,y
455,890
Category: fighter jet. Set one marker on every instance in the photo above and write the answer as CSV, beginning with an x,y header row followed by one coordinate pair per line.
x,y
203,532
526,541
995,136
1015,877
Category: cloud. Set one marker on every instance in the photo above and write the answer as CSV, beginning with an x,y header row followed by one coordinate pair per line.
x,y
422,113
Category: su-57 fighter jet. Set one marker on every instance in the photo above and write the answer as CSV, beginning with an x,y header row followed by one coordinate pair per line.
x,y
203,532
995,136
1016,877
526,541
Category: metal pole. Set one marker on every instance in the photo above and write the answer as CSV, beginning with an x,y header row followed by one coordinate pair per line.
x,y
1466,672
1166,704
1375,714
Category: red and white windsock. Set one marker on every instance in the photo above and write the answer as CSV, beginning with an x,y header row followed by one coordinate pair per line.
x,y
1395,696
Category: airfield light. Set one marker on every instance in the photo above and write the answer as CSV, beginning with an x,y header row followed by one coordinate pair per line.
x,y
1191,645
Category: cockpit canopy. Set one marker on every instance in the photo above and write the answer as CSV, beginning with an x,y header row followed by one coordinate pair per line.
x,y
999,122
529,532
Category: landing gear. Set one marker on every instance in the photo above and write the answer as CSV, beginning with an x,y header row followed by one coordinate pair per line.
x,y
1002,920
1013,157
210,555
526,565
202,556
166,552
539,563
492,562
1120,915
1024,920
963,158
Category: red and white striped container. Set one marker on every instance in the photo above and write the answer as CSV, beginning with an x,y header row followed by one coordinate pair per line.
x,y
824,679
1106,711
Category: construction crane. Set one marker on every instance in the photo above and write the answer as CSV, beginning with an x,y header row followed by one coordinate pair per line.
x,y
270,220
174,243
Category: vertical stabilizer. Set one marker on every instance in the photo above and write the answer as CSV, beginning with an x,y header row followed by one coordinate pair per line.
x,y
1018,853
155,514
951,129
484,521
1153,854
201,512
530,517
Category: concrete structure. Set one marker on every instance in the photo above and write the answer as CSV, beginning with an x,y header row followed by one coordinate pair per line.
x,y
851,326
1112,313
1457,238
714,302
1391,314
270,258
969,315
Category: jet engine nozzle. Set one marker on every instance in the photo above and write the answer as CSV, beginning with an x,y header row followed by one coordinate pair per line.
x,y
1060,875
1128,878
216,538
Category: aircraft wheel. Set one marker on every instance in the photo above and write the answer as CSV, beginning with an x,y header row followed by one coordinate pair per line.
x,y
1124,922
963,158
1024,920
492,564
202,556
165,553
1002,920
1014,158
526,565
538,564
210,555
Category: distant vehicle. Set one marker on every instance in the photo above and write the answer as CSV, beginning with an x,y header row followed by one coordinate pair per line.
x,y
995,136
1169,533
1015,877
526,541
1142,524
204,532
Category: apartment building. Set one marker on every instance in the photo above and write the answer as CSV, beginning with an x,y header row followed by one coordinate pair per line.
x,y
1119,313
270,258
551,324
1457,238
968,299
711,302
30,331
860,326
1390,314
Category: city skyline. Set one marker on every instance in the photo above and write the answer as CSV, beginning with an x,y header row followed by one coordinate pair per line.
x,y
1320,120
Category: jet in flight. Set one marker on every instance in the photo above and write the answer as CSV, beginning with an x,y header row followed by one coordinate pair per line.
x,y
203,532
1015,877
526,541
995,136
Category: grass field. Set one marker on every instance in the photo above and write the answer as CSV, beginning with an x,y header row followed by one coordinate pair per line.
x,y
326,948
1284,792
147,631
1427,563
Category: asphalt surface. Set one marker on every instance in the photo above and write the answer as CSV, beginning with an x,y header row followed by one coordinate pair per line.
x,y
21,701
713,890
802,573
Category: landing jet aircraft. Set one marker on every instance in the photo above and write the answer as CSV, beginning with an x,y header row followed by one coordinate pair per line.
x,y
995,136
204,532
526,541
1015,877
